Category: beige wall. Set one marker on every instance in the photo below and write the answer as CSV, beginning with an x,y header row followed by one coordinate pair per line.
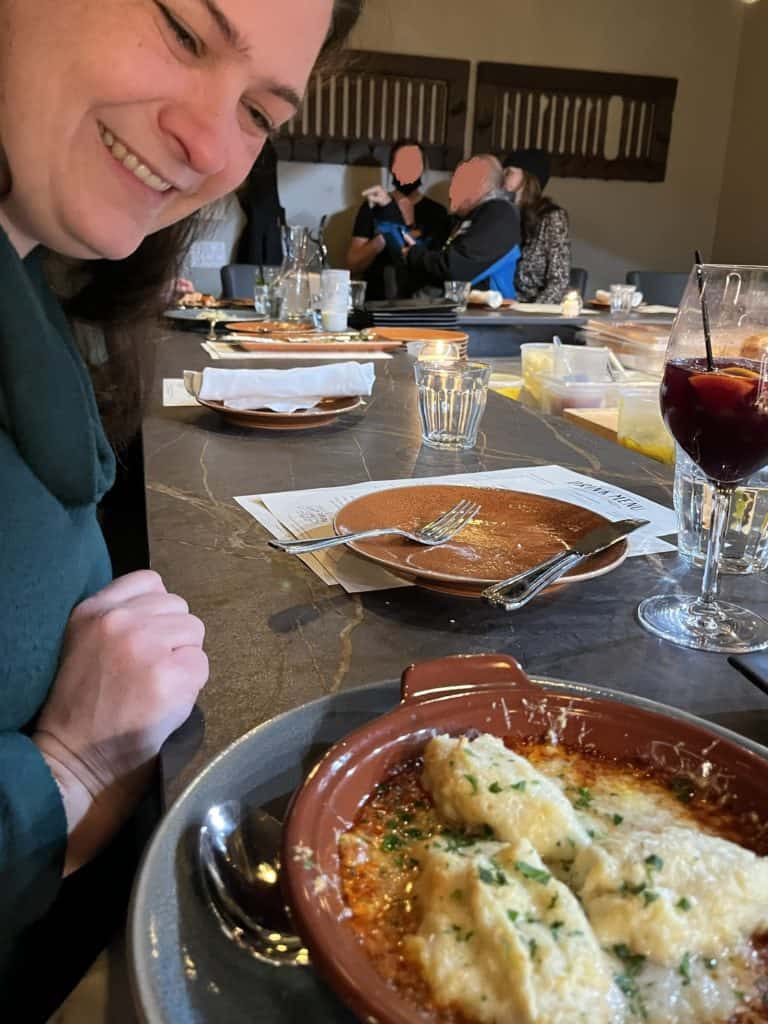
x,y
615,226
742,224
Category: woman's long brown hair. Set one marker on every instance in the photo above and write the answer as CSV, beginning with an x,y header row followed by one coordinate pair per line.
x,y
125,298
533,204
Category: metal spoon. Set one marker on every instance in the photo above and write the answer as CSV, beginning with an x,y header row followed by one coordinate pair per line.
x,y
238,848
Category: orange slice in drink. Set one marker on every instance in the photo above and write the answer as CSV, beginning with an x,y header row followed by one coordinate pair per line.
x,y
724,388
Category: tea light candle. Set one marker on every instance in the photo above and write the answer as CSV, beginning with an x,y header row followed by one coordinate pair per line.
x,y
438,351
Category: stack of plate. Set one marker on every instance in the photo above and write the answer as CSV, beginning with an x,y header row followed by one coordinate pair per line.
x,y
413,313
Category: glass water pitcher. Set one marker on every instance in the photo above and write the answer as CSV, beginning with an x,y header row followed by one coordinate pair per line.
x,y
295,289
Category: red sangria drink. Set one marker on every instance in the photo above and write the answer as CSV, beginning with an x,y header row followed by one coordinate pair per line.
x,y
714,398
719,417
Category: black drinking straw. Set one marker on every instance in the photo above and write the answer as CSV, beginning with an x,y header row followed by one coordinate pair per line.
x,y
704,313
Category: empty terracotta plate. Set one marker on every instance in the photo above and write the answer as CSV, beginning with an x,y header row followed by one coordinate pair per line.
x,y
303,419
512,532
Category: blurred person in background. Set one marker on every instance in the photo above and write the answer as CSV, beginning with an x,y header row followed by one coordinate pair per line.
x,y
486,230
543,270
261,240
386,218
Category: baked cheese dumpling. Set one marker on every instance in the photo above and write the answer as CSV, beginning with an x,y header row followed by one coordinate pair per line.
x,y
505,942
480,782
673,893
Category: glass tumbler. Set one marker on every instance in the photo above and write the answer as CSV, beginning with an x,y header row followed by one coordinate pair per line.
x,y
622,299
452,398
745,547
458,293
262,302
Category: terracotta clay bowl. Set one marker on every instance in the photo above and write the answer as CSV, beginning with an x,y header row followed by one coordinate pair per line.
x,y
490,693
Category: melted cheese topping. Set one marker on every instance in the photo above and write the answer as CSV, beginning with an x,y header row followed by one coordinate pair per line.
x,y
481,782
497,951
503,940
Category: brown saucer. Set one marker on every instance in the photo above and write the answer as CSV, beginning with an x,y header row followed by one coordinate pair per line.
x,y
269,326
512,532
303,419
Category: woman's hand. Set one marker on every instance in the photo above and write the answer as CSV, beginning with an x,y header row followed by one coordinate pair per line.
x,y
132,666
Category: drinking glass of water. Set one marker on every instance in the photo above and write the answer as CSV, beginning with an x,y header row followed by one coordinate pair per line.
x,y
452,396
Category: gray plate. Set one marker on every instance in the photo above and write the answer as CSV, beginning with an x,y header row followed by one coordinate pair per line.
x,y
184,970
227,314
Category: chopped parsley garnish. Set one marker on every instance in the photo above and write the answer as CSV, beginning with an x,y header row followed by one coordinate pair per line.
x,y
627,889
494,788
520,786
491,875
555,927
617,819
654,862
553,901
534,873
627,981
455,841
649,897
684,970
459,935
585,797
683,903
533,946
512,915
391,842
633,962
414,833
457,895
472,780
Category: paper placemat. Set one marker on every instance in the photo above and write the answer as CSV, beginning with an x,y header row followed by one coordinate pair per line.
x,y
309,514
221,350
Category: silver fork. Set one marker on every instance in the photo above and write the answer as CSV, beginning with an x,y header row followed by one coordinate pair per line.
x,y
438,531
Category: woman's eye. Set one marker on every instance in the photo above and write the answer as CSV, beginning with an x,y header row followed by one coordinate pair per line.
x,y
187,40
259,119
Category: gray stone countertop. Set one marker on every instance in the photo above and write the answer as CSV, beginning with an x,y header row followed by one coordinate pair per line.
x,y
278,637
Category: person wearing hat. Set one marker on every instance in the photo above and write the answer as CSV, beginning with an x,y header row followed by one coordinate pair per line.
x,y
543,270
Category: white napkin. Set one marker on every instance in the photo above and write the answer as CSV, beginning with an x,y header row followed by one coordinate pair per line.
x,y
491,298
286,390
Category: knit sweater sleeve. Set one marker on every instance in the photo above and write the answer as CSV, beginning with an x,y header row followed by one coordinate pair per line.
x,y
33,826
33,838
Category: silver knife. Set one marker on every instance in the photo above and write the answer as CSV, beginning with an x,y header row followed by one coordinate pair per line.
x,y
518,590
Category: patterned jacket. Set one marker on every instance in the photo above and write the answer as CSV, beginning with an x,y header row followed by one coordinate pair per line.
x,y
544,268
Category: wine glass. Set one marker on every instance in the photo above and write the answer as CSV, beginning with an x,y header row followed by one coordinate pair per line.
x,y
213,316
714,399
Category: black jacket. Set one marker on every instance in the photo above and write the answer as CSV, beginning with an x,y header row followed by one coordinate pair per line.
x,y
481,238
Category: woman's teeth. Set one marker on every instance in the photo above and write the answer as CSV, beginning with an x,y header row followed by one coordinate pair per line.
x,y
132,162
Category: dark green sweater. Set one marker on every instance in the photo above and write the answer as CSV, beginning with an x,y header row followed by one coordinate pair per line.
x,y
55,466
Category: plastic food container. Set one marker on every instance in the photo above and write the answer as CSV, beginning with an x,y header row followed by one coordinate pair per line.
x,y
537,358
507,384
636,350
640,425
558,394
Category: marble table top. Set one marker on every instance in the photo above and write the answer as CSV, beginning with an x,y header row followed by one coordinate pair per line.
x,y
277,636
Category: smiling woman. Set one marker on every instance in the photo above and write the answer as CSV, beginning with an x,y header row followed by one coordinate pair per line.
x,y
120,120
